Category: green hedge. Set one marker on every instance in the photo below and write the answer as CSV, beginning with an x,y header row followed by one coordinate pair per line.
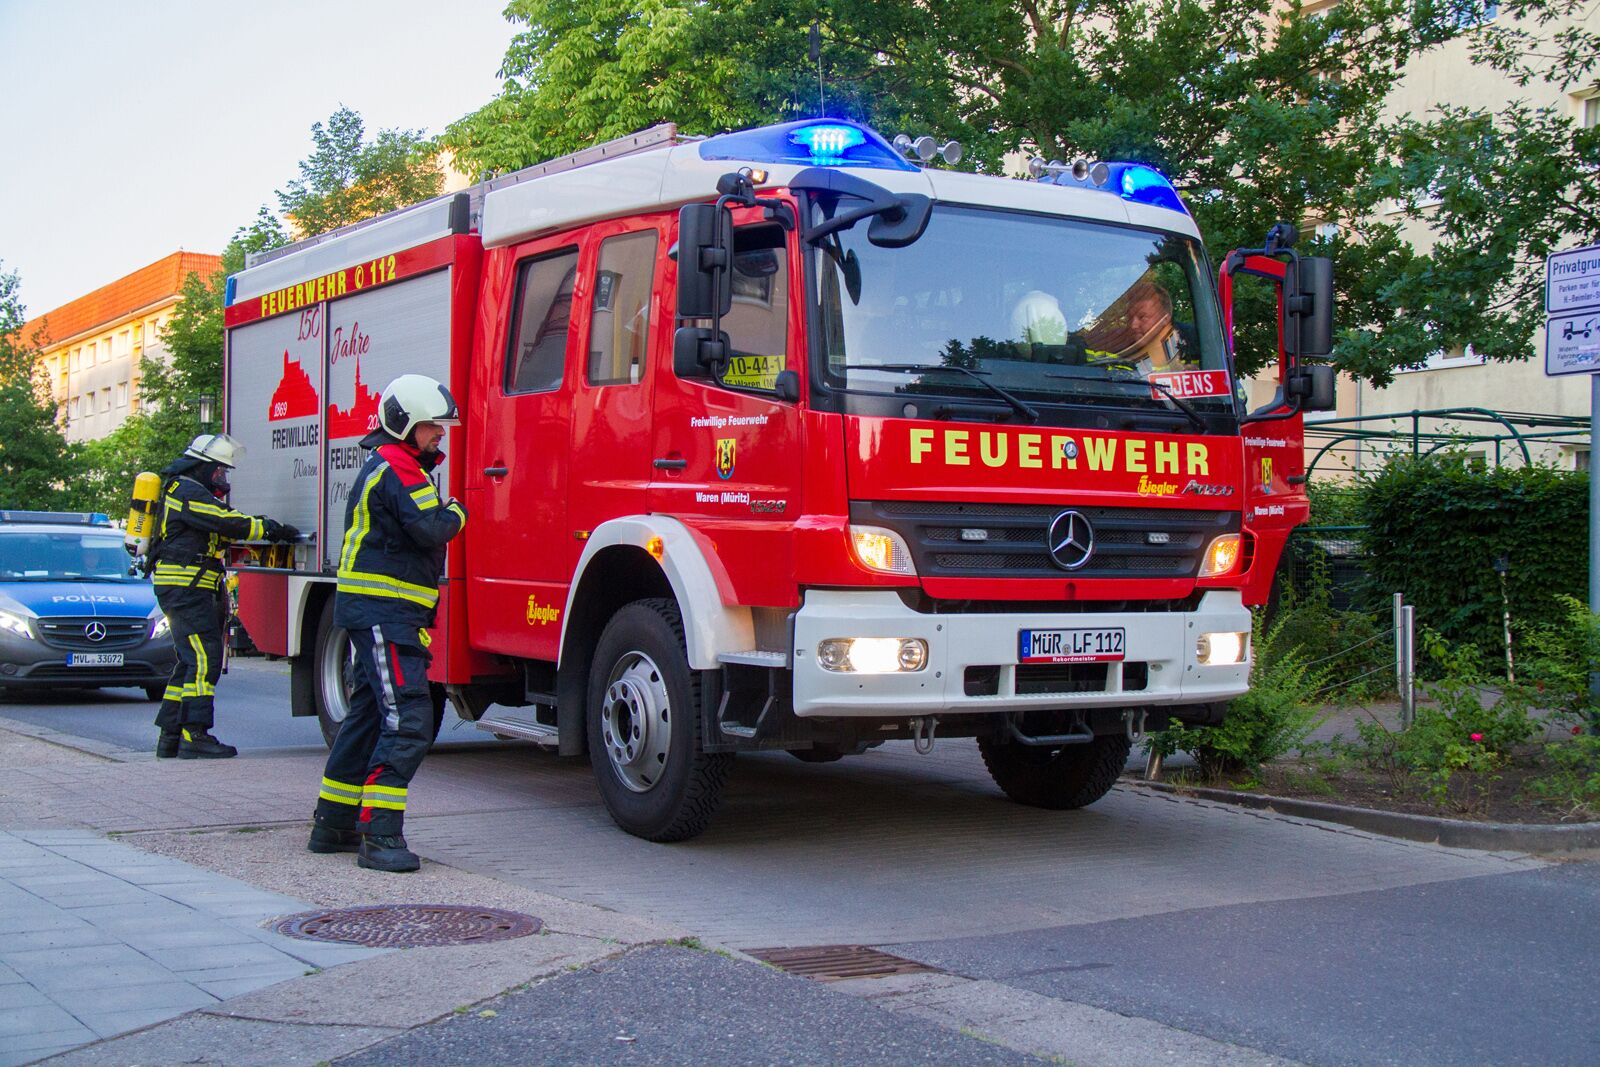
x,y
1436,524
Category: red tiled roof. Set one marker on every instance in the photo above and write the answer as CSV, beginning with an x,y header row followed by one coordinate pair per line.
x,y
107,304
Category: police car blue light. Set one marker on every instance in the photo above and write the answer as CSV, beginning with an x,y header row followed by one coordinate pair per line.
x,y
808,143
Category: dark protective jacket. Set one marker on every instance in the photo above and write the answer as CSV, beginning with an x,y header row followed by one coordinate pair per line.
x,y
396,529
194,530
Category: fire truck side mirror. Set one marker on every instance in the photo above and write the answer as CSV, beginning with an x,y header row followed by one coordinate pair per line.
x,y
1315,385
1314,303
696,351
705,261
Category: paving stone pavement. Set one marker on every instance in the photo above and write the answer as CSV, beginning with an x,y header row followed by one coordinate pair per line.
x,y
98,938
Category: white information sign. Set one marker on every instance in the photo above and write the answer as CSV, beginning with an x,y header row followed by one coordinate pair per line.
x,y
1572,343
1572,280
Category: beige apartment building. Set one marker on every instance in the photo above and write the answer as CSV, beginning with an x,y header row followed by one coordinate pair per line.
x,y
91,348
1461,379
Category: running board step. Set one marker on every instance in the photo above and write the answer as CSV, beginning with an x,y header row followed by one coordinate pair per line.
x,y
526,727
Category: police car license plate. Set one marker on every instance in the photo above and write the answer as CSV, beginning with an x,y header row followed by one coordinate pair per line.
x,y
94,659
1104,645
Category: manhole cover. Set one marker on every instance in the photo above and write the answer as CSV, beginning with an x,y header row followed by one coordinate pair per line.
x,y
835,963
409,925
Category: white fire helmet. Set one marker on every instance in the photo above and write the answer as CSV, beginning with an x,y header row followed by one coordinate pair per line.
x,y
216,448
412,399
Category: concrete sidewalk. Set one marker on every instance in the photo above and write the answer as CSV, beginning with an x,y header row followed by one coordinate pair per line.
x,y
98,938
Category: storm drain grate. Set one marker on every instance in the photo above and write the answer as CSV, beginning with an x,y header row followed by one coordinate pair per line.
x,y
835,963
409,925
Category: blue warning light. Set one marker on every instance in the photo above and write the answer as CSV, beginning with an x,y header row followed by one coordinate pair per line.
x,y
1145,185
808,143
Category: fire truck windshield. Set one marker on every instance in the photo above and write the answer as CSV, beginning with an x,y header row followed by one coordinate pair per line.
x,y
1058,313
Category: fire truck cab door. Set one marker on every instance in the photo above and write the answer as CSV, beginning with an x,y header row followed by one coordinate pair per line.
x,y
517,537
728,453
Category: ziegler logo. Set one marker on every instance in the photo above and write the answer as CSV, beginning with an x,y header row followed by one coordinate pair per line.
x,y
1206,489
540,614
1149,488
725,457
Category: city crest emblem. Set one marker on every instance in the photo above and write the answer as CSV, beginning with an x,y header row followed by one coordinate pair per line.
x,y
725,457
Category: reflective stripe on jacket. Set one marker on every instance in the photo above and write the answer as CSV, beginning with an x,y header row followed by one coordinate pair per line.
x,y
194,531
396,529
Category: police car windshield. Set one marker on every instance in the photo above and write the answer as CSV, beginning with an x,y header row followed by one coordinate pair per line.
x,y
40,556
1049,309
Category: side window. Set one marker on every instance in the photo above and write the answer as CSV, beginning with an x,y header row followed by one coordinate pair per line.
x,y
538,348
758,324
620,327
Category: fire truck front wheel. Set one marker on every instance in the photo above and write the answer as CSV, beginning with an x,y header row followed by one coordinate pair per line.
x,y
643,717
1072,776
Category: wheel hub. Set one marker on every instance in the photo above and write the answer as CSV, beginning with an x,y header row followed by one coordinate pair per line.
x,y
635,723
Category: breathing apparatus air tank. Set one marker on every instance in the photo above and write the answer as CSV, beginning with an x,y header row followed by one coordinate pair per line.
x,y
142,513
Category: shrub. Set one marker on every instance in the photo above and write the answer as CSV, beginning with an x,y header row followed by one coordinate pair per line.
x,y
1574,778
1435,526
1271,720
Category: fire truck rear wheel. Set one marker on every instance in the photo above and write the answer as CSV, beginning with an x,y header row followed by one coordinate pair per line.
x,y
334,675
643,719
1072,776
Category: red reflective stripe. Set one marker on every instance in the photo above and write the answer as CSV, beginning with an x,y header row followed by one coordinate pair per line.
x,y
372,779
394,658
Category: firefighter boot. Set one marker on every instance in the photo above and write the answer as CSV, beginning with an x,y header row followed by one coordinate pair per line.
x,y
199,744
326,837
386,853
167,745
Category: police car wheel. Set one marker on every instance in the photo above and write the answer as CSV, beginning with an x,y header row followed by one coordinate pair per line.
x,y
643,721
1072,776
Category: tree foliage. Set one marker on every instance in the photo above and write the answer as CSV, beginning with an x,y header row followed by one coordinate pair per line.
x,y
347,179
34,454
1256,111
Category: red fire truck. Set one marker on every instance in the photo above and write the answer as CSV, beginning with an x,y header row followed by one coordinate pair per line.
x,y
780,439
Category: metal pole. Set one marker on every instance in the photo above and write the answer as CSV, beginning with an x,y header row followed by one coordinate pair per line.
x,y
1399,644
1408,692
1594,530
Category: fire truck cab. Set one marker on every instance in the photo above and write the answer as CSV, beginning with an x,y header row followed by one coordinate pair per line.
x,y
780,440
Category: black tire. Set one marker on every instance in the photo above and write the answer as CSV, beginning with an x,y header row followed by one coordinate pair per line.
x,y
331,658
156,691
661,786
1072,776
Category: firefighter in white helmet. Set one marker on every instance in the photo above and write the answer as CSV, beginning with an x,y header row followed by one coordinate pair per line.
x,y
389,566
193,529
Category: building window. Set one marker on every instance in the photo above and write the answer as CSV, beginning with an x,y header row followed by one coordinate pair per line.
x,y
105,399
122,394
1580,459
1445,360
1588,110
73,361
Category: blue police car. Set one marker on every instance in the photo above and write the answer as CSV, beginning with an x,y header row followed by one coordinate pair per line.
x,y
71,613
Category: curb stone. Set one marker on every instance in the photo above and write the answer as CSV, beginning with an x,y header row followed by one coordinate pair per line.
x,y
1431,829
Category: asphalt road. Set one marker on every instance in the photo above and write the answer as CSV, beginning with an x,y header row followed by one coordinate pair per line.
x,y
252,712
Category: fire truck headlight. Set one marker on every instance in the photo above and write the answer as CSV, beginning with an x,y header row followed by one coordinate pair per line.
x,y
1221,649
881,550
873,655
1221,556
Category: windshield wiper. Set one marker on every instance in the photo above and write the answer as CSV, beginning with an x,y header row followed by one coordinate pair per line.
x,y
1020,406
1182,405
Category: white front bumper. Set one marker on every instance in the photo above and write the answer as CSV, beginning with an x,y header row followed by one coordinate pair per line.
x,y
1163,640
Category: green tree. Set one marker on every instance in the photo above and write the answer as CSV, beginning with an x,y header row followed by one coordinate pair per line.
x,y
1256,112
346,179
35,456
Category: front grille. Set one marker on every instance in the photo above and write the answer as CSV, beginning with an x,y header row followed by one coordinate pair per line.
x,y
67,631
950,539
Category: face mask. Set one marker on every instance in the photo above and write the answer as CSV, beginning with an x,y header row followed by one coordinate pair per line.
x,y
219,481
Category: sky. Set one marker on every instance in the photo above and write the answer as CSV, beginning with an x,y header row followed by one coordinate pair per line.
x,y
134,129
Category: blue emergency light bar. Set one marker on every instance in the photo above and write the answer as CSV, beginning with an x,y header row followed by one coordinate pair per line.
x,y
808,143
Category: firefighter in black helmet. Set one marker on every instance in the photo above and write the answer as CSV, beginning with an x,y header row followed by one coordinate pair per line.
x,y
193,528
396,529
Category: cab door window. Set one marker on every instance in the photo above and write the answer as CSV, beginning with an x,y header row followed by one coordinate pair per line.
x,y
536,356
619,325
758,323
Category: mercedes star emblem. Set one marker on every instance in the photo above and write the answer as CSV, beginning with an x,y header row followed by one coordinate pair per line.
x,y
1070,540
95,631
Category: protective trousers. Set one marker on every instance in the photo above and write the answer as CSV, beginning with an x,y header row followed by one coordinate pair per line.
x,y
383,739
196,617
